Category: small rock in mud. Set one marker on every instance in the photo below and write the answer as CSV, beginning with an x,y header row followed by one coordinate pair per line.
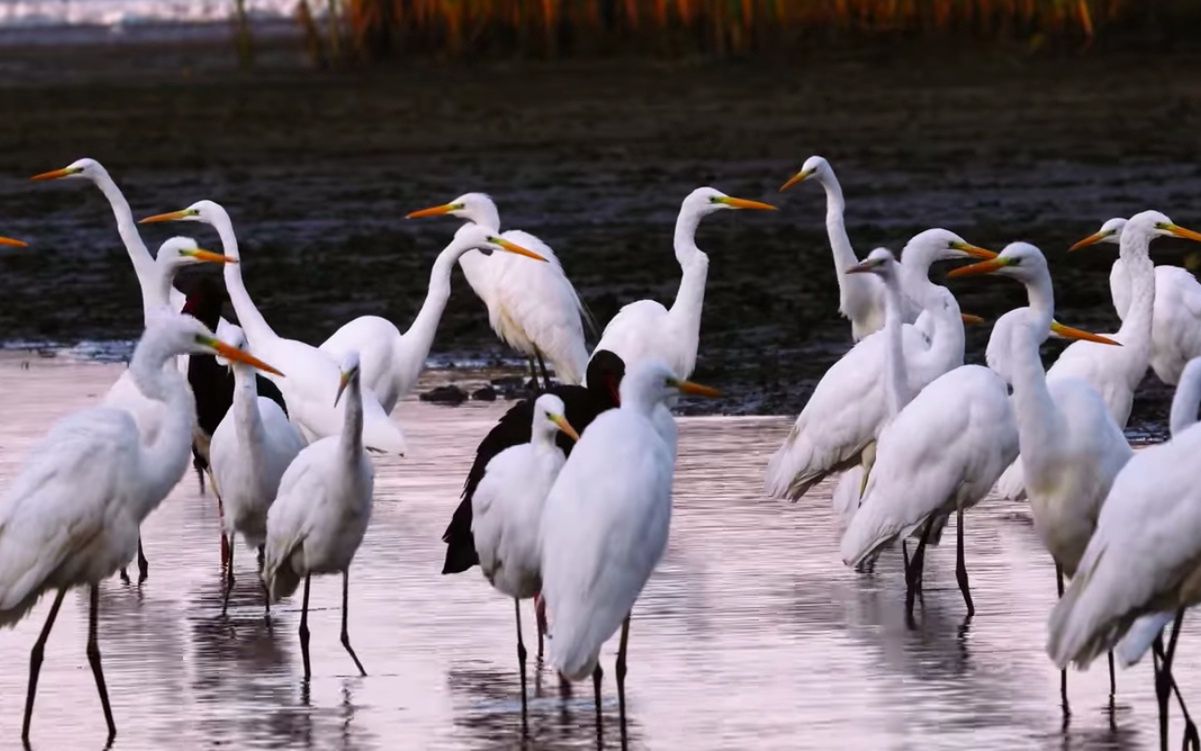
x,y
445,395
485,394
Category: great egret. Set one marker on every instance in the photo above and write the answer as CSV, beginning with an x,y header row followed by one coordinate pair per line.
x,y
150,414
939,455
1176,323
533,309
318,520
250,450
315,375
71,516
849,406
391,361
603,531
1143,558
860,297
1116,372
645,330
507,511
1071,447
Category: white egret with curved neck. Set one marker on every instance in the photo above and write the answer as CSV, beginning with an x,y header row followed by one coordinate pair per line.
x,y
533,309
1071,447
391,361
1176,322
645,329
603,530
506,511
318,519
1142,560
250,450
860,296
314,374
71,515
1116,372
851,402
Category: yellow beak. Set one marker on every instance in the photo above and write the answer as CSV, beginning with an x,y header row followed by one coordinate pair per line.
x,y
230,352
975,251
975,269
696,389
445,208
513,247
972,320
55,174
1092,239
1067,332
799,177
1187,234
10,242
745,203
343,382
170,216
561,422
208,256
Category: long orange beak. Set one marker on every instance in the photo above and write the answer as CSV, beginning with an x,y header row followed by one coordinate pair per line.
x,y
208,256
10,242
230,352
1067,332
745,203
1187,234
55,174
170,216
561,422
975,251
696,389
975,269
970,319
799,177
513,247
445,208
1092,239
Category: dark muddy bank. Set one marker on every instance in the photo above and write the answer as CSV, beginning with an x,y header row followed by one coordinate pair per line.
x,y
318,169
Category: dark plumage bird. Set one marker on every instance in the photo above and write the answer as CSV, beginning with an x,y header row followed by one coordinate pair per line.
x,y
213,383
582,403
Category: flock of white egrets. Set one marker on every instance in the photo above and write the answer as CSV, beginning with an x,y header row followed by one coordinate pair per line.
x,y
569,500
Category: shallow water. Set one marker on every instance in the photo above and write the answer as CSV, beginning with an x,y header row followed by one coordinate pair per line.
x,y
751,633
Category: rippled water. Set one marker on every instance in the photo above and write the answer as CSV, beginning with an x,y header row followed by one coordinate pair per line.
x,y
751,633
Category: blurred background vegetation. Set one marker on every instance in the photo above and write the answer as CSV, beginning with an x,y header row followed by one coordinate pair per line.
x,y
365,30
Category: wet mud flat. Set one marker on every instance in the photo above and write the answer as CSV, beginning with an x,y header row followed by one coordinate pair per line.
x,y
751,632
318,169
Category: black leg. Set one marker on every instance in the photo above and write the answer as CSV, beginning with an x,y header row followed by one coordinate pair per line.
x,y
534,375
525,721
1113,682
914,579
304,628
905,557
540,620
597,674
1164,681
621,676
266,592
124,576
229,577
1063,674
961,565
345,632
221,523
542,367
143,564
94,660
35,663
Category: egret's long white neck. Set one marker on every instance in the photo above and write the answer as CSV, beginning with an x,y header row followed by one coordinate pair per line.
x,y
1039,419
685,312
164,461
127,228
350,442
1187,399
248,423
156,298
416,342
946,336
251,320
1135,333
543,432
896,381
855,291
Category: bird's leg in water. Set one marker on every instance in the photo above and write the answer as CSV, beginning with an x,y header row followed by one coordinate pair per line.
x,y
1063,674
621,676
35,663
1113,683
905,557
229,579
304,627
597,674
542,367
345,633
525,721
961,565
266,592
94,661
914,579
221,526
540,619
143,564
1165,684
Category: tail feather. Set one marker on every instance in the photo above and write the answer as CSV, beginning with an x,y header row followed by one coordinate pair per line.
x,y
796,467
872,529
1012,483
1086,622
460,542
280,577
1140,637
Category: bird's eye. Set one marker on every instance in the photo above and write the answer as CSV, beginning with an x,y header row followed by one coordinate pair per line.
x,y
712,199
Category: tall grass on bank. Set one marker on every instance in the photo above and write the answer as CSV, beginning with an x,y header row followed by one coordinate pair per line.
x,y
561,28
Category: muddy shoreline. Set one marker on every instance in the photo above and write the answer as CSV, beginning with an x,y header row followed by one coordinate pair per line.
x,y
318,168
